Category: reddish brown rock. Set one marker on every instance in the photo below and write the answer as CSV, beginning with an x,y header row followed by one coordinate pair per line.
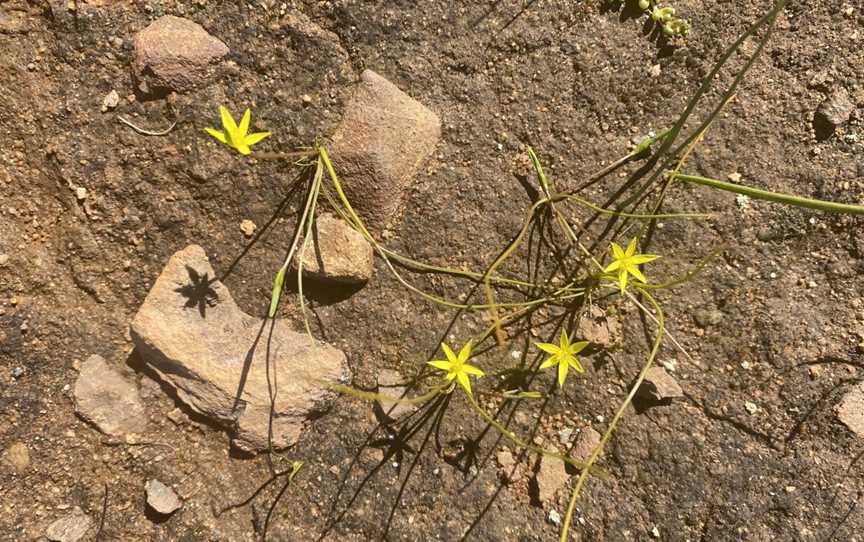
x,y
173,53
659,385
585,443
338,253
378,148
107,400
191,332
551,476
850,410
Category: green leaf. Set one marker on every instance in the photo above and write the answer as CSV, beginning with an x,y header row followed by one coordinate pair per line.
x,y
277,291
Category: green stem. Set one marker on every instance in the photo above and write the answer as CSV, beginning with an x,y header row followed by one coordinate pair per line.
x,y
618,415
786,199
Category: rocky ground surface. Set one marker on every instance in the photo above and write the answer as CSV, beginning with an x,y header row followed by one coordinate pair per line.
x,y
139,399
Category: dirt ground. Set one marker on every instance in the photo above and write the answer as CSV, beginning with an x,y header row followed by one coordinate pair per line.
x,y
777,322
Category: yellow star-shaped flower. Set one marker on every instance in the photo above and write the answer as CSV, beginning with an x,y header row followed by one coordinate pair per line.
x,y
563,355
627,262
235,136
457,367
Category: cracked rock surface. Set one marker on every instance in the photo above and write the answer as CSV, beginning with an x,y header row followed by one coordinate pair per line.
x,y
215,356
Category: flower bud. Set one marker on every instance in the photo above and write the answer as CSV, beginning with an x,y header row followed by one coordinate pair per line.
x,y
644,4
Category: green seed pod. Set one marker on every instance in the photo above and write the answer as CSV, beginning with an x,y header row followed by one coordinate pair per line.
x,y
644,4
668,29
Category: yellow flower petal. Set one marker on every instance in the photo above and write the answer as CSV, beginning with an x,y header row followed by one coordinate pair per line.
x,y
440,364
643,258
217,134
243,129
465,353
562,373
548,348
252,139
612,266
449,353
471,370
464,382
576,365
549,362
638,274
227,121
617,251
622,280
575,348
631,248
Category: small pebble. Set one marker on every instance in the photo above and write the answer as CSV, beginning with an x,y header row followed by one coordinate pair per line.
x,y
751,407
248,227
110,101
734,177
306,99
4,259
81,193
554,518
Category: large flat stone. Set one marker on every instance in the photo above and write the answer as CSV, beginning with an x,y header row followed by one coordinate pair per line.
x,y
173,53
191,332
378,148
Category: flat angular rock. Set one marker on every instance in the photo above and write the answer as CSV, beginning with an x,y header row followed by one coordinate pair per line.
x,y
338,253
585,443
173,53
833,112
551,476
191,332
162,498
850,410
70,528
659,385
107,400
392,384
378,148
599,329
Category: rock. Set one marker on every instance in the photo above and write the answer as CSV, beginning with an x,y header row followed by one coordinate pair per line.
x,y
337,253
248,227
850,410
707,317
107,400
174,54
585,443
551,476
834,111
111,101
384,137
4,260
564,435
554,518
191,332
17,456
392,384
162,498
70,528
599,329
505,459
659,385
